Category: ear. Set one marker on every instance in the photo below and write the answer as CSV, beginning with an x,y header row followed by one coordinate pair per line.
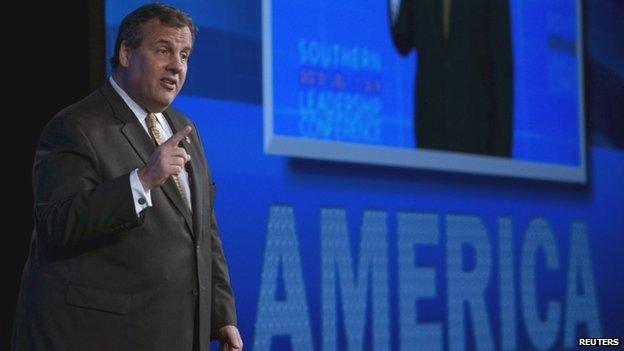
x,y
125,52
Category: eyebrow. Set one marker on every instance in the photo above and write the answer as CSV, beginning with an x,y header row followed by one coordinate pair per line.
x,y
169,42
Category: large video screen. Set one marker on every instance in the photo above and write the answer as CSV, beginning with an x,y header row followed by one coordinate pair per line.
x,y
489,86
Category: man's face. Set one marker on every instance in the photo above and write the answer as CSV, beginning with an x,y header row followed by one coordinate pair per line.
x,y
154,72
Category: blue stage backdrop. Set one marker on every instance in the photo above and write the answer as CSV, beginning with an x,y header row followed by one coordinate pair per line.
x,y
332,73
338,256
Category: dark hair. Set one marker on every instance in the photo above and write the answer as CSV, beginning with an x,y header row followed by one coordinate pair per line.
x,y
131,29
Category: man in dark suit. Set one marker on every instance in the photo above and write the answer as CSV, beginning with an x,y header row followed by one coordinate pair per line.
x,y
126,254
464,78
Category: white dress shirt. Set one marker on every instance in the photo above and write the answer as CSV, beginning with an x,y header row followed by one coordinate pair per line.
x,y
143,198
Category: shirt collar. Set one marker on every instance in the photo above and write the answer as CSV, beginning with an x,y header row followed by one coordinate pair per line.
x,y
139,112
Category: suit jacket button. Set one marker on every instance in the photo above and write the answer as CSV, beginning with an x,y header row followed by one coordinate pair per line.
x,y
195,292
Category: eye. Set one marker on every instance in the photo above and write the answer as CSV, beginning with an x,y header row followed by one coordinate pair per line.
x,y
184,56
163,51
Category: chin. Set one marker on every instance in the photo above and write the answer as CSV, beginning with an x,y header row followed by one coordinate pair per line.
x,y
166,101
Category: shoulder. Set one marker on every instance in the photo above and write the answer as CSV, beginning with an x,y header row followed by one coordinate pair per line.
x,y
89,113
174,113
80,119
93,104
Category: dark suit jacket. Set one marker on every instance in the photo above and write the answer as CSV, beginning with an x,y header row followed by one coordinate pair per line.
x,y
100,278
464,83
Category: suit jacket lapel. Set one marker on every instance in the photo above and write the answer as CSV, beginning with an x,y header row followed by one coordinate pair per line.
x,y
194,219
144,146
132,129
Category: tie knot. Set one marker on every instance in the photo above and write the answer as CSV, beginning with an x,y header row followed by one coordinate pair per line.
x,y
152,129
151,120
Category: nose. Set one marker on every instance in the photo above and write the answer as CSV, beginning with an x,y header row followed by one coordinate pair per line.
x,y
176,64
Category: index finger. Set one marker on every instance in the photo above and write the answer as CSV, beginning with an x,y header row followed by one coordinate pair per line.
x,y
179,136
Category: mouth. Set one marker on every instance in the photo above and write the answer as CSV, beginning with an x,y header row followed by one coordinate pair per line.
x,y
168,83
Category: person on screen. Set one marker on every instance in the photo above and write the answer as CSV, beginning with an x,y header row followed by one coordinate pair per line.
x,y
126,254
463,95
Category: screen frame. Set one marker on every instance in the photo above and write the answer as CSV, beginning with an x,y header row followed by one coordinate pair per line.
x,y
303,147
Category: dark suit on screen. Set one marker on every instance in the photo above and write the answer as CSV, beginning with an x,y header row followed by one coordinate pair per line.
x,y
96,270
463,95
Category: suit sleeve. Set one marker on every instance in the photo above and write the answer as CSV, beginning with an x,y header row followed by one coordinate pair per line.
x,y
403,25
223,307
501,77
75,208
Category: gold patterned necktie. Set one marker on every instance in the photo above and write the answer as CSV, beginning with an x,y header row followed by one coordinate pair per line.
x,y
158,139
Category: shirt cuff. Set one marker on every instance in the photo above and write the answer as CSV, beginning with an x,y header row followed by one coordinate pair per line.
x,y
142,198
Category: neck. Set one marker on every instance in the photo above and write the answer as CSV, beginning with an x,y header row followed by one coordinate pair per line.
x,y
118,77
